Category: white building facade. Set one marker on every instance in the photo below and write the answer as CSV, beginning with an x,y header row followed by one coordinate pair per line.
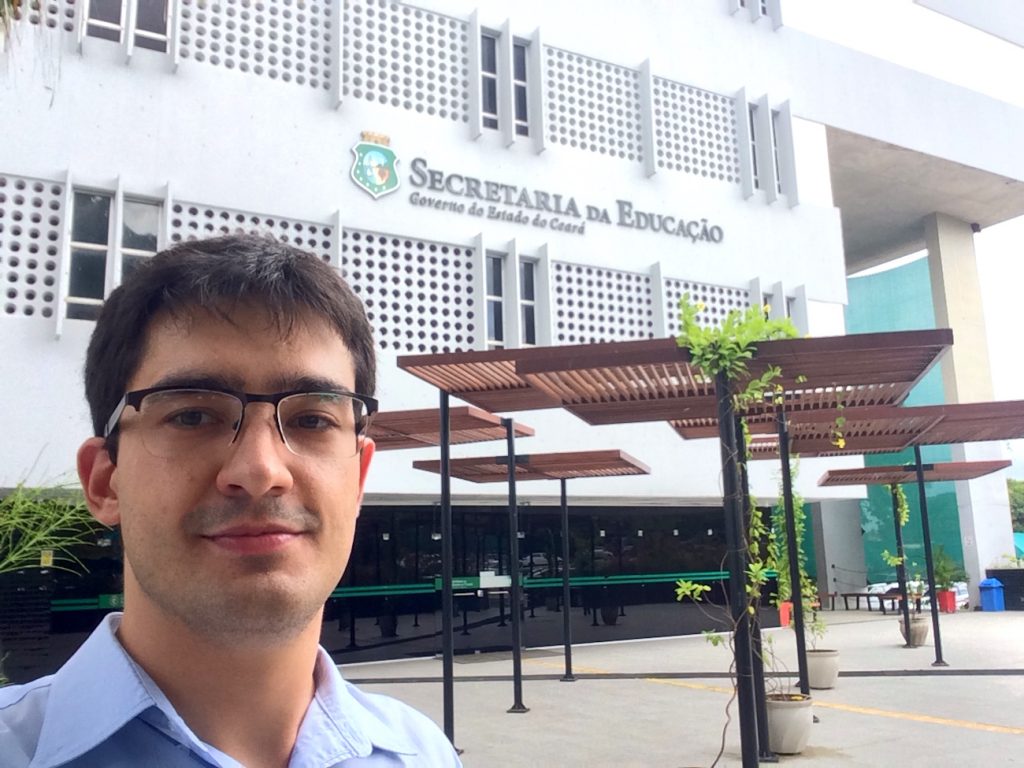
x,y
566,172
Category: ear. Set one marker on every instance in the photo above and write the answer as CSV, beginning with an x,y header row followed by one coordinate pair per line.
x,y
96,473
366,451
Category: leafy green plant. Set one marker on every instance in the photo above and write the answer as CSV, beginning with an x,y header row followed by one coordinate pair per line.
x,y
727,349
947,570
903,516
39,529
34,521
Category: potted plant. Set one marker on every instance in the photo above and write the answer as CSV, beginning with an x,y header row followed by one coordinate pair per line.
x,y
39,529
725,350
947,573
822,663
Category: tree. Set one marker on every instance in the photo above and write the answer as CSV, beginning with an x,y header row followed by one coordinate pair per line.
x,y
1016,491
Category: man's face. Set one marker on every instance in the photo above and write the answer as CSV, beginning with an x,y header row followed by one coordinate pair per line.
x,y
246,543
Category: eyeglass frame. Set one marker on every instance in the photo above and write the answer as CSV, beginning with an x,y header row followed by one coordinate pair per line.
x,y
135,397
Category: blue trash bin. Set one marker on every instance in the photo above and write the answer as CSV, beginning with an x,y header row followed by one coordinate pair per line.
x,y
992,595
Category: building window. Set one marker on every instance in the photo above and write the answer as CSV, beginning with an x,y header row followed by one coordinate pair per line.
x,y
151,25
522,122
528,301
106,19
775,150
90,251
99,254
496,81
139,226
495,305
489,80
752,122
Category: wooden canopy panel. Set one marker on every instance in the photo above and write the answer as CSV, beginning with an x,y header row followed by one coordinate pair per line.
x,y
953,470
653,380
485,379
889,429
542,466
395,430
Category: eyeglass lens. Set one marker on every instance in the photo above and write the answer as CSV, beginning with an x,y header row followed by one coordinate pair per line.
x,y
177,422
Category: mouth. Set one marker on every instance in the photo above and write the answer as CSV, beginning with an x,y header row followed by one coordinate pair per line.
x,y
254,539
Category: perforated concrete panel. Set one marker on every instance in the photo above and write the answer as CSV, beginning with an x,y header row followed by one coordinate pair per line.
x,y
718,302
592,105
407,57
31,219
194,221
418,293
695,131
50,14
287,40
592,304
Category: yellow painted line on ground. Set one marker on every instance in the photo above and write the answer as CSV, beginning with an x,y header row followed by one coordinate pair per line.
x,y
967,724
561,665
893,714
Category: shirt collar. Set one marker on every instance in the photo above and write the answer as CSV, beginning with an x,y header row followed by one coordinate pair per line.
x,y
339,724
92,697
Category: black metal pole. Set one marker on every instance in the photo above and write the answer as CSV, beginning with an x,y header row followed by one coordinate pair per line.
x,y
447,599
736,558
513,567
764,750
568,677
792,547
928,561
901,568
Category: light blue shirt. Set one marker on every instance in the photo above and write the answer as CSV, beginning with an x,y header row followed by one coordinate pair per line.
x,y
101,710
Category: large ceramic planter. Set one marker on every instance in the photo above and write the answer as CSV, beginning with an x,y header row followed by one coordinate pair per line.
x,y
822,668
789,722
918,630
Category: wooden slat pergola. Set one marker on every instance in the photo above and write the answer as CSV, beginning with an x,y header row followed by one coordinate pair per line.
x,y
889,429
398,430
884,429
899,474
547,466
654,380
542,466
641,381
919,473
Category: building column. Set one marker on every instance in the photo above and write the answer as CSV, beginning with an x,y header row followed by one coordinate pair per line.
x,y
985,525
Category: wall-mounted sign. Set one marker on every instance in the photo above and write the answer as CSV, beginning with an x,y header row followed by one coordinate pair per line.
x,y
375,168
375,171
487,199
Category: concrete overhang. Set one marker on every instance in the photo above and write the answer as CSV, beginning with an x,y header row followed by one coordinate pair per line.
x,y
884,192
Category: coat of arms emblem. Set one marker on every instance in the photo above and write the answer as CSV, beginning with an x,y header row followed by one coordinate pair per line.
x,y
375,167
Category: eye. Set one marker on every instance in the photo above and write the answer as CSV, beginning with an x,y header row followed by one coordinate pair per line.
x,y
192,418
313,421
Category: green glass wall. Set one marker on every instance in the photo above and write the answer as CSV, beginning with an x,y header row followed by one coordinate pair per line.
x,y
900,299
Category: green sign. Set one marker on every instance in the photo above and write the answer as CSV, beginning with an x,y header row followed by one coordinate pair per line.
x,y
110,601
460,582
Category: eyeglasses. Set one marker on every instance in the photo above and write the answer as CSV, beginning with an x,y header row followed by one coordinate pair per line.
x,y
176,421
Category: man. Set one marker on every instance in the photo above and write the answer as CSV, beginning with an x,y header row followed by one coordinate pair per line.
x,y
230,384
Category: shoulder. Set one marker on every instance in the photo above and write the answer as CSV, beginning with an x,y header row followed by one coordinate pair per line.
x,y
408,724
22,711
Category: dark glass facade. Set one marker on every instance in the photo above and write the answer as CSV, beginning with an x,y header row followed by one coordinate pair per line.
x,y
623,565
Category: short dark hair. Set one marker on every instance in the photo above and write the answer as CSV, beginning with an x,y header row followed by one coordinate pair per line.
x,y
215,275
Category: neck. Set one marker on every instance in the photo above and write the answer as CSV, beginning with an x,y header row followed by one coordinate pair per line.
x,y
246,699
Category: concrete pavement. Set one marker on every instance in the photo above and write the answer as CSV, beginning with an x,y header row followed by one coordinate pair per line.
x,y
661,702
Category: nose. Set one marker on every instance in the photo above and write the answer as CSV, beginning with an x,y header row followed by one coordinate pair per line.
x,y
257,461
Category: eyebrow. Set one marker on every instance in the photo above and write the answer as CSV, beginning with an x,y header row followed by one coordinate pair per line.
x,y
206,380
